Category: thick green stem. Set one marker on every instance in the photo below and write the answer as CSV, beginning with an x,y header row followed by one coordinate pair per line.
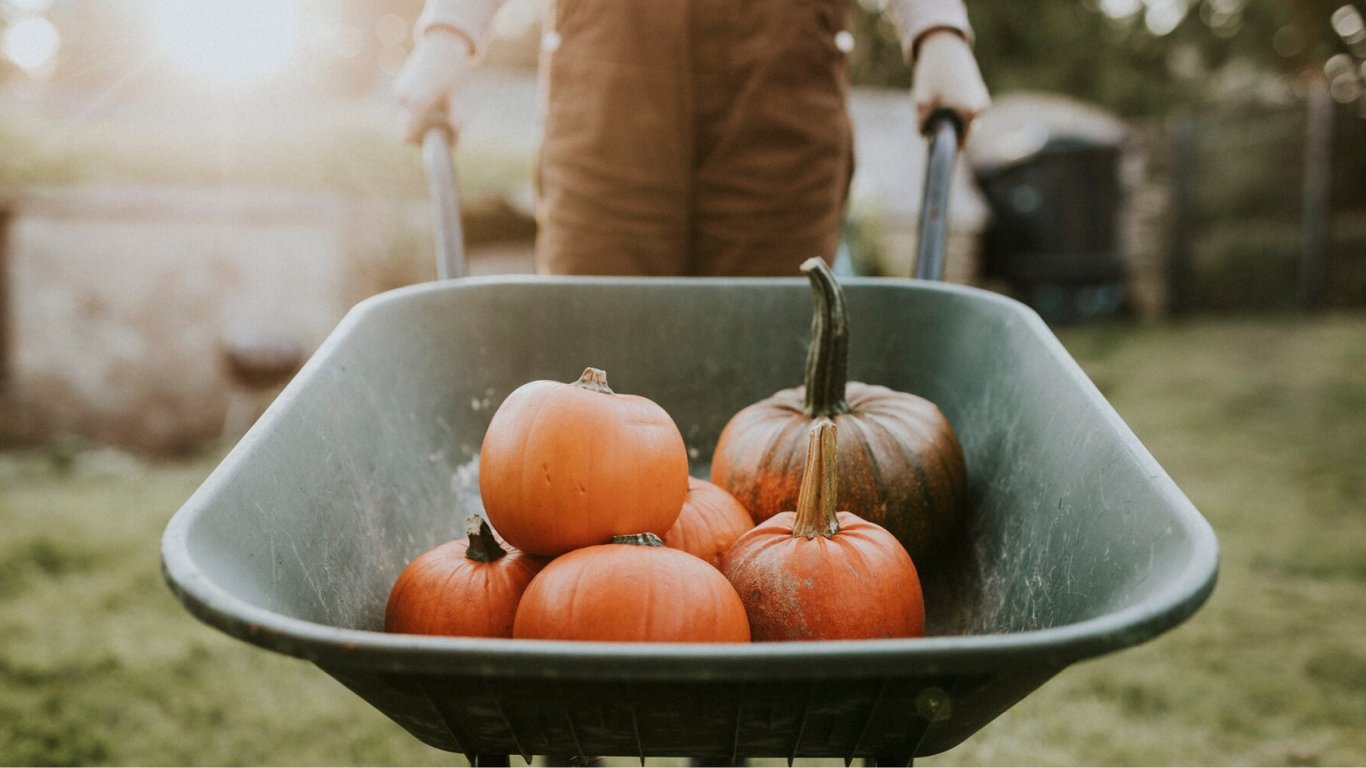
x,y
646,539
820,478
827,358
594,379
483,546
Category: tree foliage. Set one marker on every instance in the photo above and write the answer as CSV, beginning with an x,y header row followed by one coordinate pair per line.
x,y
1125,54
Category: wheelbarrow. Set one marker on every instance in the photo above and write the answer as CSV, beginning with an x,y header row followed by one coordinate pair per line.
x,y
1076,542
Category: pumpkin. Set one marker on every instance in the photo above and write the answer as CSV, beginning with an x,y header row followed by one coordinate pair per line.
x,y
710,522
818,574
900,460
632,590
565,466
469,587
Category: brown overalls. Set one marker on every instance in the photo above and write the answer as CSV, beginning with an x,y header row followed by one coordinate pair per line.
x,y
693,137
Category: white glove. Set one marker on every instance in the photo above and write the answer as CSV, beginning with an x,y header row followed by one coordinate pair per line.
x,y
431,81
946,77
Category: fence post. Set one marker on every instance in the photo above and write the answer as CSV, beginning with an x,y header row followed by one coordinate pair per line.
x,y
5,307
1318,174
1181,171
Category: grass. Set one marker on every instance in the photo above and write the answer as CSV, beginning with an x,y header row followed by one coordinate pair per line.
x,y
1262,422
100,664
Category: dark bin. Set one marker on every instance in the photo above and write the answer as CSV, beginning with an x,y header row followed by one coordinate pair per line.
x,y
1054,232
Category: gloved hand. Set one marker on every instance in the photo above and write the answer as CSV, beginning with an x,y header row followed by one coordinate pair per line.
x,y
946,77
431,81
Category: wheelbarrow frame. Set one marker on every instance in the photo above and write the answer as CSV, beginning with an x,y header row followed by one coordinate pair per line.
x,y
292,542
1076,542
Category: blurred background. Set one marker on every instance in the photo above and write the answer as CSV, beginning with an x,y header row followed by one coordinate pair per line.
x,y
192,195
185,188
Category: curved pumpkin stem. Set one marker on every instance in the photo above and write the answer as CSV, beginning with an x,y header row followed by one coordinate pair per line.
x,y
594,379
483,546
646,539
827,358
820,477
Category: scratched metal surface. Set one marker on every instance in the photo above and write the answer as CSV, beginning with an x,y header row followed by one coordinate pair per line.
x,y
1076,543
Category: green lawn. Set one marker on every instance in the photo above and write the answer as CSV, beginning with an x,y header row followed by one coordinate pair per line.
x,y
1262,422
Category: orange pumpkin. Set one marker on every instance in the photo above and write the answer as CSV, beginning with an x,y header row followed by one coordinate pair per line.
x,y
469,587
900,460
710,522
565,466
818,574
632,590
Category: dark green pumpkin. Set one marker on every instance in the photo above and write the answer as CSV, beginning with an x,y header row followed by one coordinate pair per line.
x,y
900,463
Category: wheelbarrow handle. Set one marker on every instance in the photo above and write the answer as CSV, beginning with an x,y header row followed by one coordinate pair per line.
x,y
437,142
943,129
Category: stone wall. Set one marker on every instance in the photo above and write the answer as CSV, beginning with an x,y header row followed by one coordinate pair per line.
x,y
118,301
1145,223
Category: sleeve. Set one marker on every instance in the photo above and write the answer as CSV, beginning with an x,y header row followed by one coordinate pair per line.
x,y
472,19
913,18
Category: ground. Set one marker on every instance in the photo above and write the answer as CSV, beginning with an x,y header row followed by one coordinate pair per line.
x,y
1261,421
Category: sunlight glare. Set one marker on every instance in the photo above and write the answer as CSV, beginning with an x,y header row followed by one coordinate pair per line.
x,y
31,43
1349,25
34,7
1164,16
1120,9
228,43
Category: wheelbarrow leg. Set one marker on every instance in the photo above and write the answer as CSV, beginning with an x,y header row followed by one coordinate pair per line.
x,y
573,760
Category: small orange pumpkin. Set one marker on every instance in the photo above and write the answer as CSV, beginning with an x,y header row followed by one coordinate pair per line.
x,y
900,459
710,522
565,466
632,590
469,587
818,574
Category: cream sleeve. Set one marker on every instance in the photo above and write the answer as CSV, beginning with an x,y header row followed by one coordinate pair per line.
x,y
913,18
472,19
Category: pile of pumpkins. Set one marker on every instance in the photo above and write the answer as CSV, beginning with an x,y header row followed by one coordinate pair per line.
x,y
602,535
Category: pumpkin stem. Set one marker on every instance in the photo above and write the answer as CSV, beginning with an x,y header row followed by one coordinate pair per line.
x,y
646,539
827,358
594,379
483,546
816,499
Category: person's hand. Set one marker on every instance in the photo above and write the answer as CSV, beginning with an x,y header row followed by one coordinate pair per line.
x,y
946,77
431,81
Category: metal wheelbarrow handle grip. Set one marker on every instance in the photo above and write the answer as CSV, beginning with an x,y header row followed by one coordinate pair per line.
x,y
943,129
437,142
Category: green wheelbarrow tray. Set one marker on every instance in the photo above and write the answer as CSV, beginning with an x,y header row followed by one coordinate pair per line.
x,y
1076,542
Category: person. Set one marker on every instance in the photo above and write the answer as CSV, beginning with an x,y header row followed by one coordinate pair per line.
x,y
692,137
